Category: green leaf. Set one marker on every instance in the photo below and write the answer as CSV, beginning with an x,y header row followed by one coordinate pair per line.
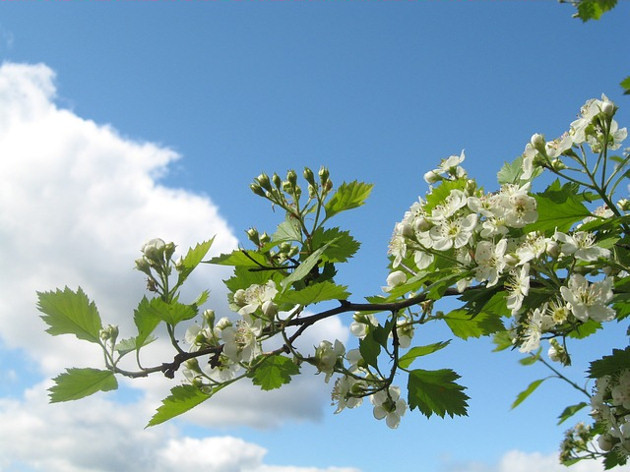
x,y
583,330
171,313
79,383
68,312
510,172
415,352
146,321
502,341
305,267
593,9
288,230
439,193
465,326
609,365
181,399
202,298
435,391
314,294
530,359
569,411
625,83
370,349
192,259
520,398
125,346
343,246
347,197
244,277
558,209
240,257
274,371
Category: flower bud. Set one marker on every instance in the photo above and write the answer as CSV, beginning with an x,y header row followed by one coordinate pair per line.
x,y
169,250
624,204
396,278
143,266
263,181
208,317
538,142
257,189
432,177
269,309
277,181
264,238
253,236
292,177
608,108
308,176
153,249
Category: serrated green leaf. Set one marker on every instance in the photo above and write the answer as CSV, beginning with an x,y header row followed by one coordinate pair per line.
x,y
593,9
79,383
305,267
202,298
145,320
125,346
181,399
288,230
173,312
502,341
193,258
465,326
348,196
569,411
418,351
240,258
609,365
244,277
344,246
435,391
520,398
274,371
558,209
583,330
314,294
68,312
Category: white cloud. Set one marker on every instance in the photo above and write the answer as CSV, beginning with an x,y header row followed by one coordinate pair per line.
x,y
77,200
99,435
519,461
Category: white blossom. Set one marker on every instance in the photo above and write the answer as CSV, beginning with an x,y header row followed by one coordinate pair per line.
x,y
588,300
389,405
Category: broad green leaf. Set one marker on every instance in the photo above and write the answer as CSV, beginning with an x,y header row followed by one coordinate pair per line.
x,y
240,257
173,312
347,197
146,321
415,352
614,458
305,267
79,383
344,246
569,411
181,399
435,391
520,398
609,365
502,341
192,259
465,326
593,9
370,349
314,294
558,209
68,312
245,276
274,371
288,230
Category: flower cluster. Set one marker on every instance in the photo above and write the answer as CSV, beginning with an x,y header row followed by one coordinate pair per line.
x,y
611,408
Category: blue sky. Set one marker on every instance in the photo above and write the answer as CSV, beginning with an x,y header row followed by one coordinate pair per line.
x,y
131,120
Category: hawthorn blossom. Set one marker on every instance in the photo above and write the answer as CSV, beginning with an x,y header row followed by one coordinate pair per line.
x,y
537,323
453,232
398,277
559,145
256,296
397,245
490,261
346,392
589,300
327,355
389,405
581,245
518,206
404,332
518,288
362,323
241,340
450,166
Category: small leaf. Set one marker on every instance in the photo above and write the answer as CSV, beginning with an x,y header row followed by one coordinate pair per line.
x,y
314,294
531,359
171,313
343,247
70,312
79,383
625,83
125,346
520,398
240,257
305,267
370,349
274,371
288,230
570,411
146,321
181,399
415,352
465,326
435,391
347,197
192,259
